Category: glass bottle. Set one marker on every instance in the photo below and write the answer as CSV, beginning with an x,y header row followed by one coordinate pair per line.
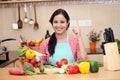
x,y
47,34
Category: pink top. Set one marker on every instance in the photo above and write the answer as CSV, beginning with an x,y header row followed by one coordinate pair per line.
x,y
74,44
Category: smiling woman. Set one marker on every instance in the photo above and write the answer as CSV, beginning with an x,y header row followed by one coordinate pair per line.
x,y
61,45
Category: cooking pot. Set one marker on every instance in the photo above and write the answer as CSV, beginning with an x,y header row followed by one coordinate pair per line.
x,y
8,39
2,48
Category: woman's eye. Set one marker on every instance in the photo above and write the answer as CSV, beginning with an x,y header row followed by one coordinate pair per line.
x,y
55,22
62,21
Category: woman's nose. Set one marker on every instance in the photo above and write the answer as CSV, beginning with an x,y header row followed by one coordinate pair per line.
x,y
58,24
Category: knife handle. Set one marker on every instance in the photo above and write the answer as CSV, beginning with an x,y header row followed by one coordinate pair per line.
x,y
106,36
111,35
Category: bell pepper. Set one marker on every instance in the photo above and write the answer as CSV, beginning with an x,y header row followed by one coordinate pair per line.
x,y
72,69
30,54
94,66
84,67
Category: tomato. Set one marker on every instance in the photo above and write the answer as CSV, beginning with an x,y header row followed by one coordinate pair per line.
x,y
72,69
64,61
24,60
59,64
33,61
36,65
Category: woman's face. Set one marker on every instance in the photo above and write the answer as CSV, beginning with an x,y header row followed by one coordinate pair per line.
x,y
60,24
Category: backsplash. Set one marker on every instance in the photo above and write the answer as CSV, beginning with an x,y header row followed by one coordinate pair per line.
x,y
102,16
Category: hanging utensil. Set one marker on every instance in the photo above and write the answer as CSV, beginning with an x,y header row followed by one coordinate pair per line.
x,y
31,20
22,39
15,25
36,25
25,10
20,23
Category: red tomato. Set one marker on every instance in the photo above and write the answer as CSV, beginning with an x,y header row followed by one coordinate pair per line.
x,y
72,69
64,61
36,65
33,61
24,60
59,64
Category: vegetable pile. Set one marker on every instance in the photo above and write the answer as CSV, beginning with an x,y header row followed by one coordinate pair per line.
x,y
28,55
83,67
30,61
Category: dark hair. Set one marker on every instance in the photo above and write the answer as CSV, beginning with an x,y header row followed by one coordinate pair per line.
x,y
53,40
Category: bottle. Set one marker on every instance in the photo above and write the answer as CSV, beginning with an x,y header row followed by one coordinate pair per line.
x,y
47,34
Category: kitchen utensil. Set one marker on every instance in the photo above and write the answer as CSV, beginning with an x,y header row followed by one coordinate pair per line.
x,y
31,20
25,10
36,25
20,23
108,35
22,39
8,39
15,25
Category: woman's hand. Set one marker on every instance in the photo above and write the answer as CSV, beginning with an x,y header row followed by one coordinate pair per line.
x,y
83,52
76,31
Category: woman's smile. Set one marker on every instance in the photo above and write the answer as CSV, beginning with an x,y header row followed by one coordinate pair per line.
x,y
60,24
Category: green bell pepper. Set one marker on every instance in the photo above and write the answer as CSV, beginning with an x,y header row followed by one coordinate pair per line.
x,y
94,66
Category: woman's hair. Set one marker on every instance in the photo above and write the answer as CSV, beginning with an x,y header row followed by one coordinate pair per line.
x,y
53,40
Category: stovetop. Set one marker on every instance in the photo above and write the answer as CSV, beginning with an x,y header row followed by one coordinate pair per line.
x,y
2,49
7,57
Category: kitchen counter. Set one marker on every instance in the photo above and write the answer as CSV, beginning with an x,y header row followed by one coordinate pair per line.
x,y
101,75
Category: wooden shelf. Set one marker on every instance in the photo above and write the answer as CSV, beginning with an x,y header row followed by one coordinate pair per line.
x,y
12,3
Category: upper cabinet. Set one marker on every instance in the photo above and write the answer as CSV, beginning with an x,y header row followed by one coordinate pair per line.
x,y
13,3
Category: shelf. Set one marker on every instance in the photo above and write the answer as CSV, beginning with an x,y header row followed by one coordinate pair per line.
x,y
13,3
98,51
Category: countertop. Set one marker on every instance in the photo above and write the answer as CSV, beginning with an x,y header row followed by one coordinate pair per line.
x,y
101,75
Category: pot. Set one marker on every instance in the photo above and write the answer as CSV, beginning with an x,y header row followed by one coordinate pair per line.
x,y
8,39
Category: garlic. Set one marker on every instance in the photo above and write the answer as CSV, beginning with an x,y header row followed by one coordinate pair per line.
x,y
61,70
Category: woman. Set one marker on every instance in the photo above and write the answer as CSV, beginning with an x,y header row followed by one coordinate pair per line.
x,y
60,44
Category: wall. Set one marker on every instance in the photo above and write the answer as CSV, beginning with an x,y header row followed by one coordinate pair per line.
x,y
102,16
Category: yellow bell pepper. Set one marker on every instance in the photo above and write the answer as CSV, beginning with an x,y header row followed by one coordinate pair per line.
x,y
84,67
30,54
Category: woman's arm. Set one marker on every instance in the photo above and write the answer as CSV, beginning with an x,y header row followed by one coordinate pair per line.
x,y
43,50
83,52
